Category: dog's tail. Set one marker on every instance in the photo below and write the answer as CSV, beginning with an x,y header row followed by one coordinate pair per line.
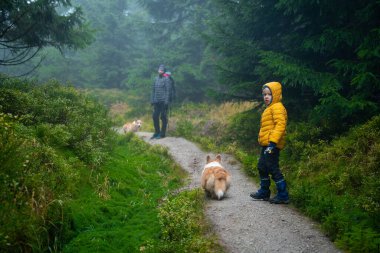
x,y
220,188
222,183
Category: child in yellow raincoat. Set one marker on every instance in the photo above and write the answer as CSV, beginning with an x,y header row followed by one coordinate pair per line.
x,y
272,140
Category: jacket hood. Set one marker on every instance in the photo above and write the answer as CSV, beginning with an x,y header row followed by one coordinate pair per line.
x,y
276,90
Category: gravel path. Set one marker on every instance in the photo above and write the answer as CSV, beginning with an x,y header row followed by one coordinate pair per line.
x,y
245,225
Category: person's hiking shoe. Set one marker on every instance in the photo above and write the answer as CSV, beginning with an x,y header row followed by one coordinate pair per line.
x,y
260,194
154,136
277,200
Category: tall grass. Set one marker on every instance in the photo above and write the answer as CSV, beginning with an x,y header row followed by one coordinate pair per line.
x,y
124,105
210,125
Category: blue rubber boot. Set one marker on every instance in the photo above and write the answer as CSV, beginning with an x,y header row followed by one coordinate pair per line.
x,y
264,192
282,196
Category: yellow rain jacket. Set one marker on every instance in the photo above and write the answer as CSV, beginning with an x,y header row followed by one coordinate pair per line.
x,y
273,119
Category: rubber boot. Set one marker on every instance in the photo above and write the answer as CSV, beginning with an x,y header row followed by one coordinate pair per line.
x,y
264,192
282,196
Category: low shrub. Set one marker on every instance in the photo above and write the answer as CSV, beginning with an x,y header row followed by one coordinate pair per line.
x,y
337,184
48,132
36,182
183,226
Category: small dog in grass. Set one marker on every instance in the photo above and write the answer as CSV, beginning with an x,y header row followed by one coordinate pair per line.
x,y
215,179
132,127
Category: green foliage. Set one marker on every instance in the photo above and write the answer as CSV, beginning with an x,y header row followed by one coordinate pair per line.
x,y
337,184
217,127
300,138
185,128
81,121
36,181
243,129
28,26
42,148
326,57
183,225
116,210
124,106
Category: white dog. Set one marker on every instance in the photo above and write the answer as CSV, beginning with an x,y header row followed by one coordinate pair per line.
x,y
132,127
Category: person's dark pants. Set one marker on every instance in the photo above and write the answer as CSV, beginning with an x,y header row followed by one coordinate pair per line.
x,y
160,111
269,165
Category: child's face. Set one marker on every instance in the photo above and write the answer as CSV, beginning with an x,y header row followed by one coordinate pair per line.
x,y
267,96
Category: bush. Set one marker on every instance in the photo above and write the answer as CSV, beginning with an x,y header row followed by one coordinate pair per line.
x,y
47,133
183,226
82,122
338,184
243,129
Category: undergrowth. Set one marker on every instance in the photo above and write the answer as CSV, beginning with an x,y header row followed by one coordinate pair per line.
x,y
124,106
338,184
183,226
48,133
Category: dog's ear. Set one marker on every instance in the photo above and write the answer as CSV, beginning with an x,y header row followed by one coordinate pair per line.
x,y
219,158
208,159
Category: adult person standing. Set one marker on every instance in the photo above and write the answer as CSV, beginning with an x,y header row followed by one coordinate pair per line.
x,y
160,98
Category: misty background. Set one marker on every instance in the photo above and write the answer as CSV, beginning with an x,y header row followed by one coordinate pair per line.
x,y
326,54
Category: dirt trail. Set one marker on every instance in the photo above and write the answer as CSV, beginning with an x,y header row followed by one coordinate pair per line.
x,y
245,225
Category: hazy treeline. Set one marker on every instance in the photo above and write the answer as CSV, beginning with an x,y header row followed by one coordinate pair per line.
x,y
325,53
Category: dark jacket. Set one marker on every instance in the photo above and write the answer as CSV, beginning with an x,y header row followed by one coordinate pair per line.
x,y
160,90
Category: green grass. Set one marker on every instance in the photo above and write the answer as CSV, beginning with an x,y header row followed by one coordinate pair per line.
x,y
122,213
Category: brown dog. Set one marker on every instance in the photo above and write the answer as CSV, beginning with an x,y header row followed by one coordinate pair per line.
x,y
132,127
215,179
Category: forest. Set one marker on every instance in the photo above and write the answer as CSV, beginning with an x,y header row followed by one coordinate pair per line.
x,y
66,64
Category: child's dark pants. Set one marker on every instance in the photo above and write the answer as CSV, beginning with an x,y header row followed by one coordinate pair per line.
x,y
269,165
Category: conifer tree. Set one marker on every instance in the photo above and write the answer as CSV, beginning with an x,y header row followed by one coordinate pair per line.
x,y
28,26
324,52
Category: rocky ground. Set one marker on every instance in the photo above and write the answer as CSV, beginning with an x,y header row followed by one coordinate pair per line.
x,y
243,224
